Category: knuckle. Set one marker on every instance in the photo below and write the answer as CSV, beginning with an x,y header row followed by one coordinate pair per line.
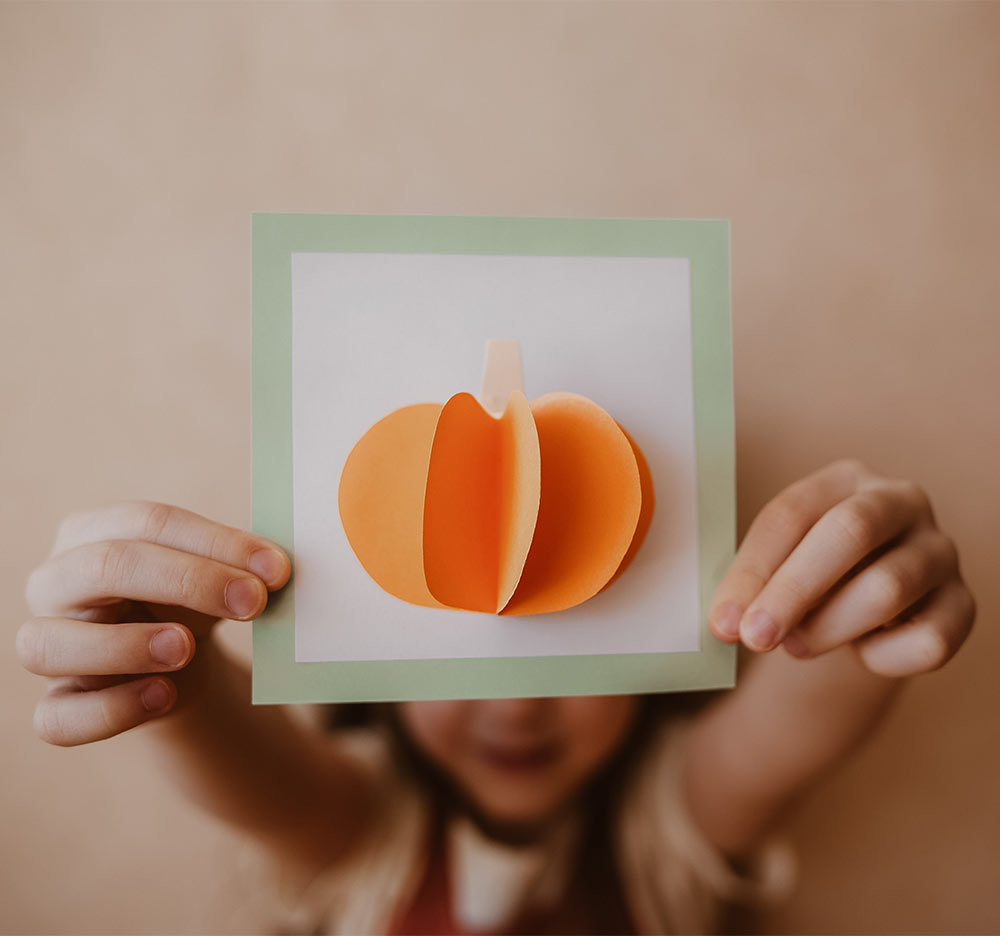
x,y
115,563
852,466
892,586
931,652
154,518
784,516
748,579
189,584
24,644
48,724
231,546
920,498
859,521
247,545
29,644
216,544
106,717
792,593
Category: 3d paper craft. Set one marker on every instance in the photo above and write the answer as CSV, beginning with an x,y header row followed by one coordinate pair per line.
x,y
355,316
516,508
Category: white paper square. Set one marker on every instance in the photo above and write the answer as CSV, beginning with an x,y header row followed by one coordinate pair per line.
x,y
372,332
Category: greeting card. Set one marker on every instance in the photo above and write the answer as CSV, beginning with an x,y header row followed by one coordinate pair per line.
x,y
498,450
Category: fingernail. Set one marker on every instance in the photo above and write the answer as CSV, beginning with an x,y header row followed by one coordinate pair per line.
x,y
156,696
169,646
242,597
266,564
760,632
796,646
727,619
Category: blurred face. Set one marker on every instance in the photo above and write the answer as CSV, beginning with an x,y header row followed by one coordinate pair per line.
x,y
520,760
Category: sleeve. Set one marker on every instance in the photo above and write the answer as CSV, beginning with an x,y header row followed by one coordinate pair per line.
x,y
361,894
675,879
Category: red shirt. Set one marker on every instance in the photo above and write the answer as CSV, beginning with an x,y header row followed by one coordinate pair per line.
x,y
430,911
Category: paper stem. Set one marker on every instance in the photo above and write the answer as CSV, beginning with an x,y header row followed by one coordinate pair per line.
x,y
501,375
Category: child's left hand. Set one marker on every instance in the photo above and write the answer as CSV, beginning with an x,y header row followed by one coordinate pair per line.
x,y
847,556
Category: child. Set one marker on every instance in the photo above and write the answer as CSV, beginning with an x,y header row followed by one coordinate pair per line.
x,y
607,814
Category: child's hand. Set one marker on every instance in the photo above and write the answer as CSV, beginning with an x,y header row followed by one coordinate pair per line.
x,y
847,556
129,590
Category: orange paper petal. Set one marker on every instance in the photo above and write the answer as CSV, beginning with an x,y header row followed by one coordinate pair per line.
x,y
381,500
480,503
645,511
589,506
520,491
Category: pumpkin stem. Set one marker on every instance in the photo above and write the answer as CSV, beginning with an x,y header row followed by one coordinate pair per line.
x,y
501,375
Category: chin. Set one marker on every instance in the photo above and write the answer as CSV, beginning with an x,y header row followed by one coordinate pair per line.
x,y
516,821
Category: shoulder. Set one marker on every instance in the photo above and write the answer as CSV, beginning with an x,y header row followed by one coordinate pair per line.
x,y
675,879
360,893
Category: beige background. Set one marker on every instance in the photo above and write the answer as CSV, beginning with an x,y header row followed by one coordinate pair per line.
x,y
855,148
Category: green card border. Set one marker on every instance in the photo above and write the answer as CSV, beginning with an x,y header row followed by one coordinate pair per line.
x,y
277,677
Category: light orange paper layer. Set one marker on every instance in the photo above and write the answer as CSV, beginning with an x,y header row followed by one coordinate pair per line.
x,y
531,512
381,500
645,511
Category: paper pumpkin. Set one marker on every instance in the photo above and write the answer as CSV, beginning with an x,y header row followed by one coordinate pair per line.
x,y
531,510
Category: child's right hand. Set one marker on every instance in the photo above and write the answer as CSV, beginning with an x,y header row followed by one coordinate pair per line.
x,y
130,590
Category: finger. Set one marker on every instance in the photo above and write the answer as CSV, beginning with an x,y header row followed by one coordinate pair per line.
x,y
878,594
67,647
179,529
927,640
67,716
839,541
774,533
86,683
98,573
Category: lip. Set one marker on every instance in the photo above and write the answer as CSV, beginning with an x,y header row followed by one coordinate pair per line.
x,y
518,758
